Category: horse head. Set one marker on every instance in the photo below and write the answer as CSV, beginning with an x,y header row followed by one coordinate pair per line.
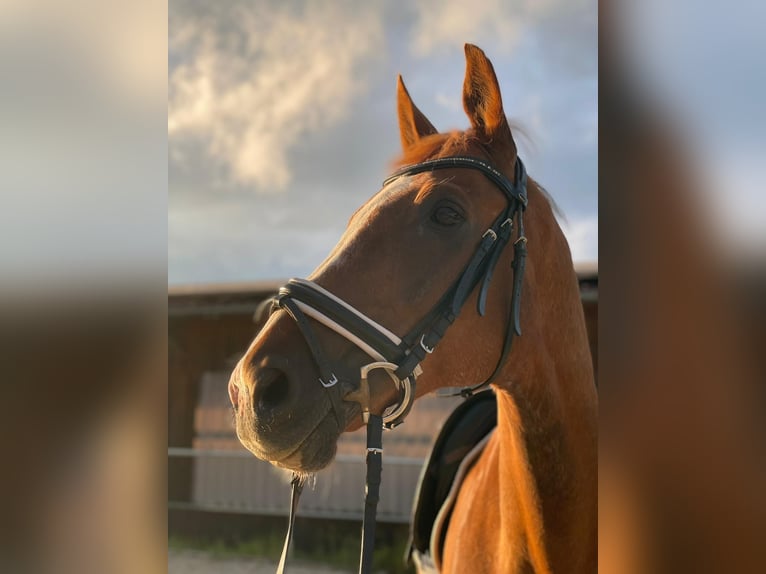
x,y
403,252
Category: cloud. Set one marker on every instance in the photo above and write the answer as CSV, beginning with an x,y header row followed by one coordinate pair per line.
x,y
449,23
247,81
442,24
582,235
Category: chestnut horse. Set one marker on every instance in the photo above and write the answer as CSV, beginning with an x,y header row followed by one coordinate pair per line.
x,y
529,503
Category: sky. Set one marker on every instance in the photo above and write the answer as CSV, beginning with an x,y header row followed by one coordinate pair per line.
x,y
282,117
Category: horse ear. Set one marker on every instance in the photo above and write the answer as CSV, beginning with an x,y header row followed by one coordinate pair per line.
x,y
413,125
483,104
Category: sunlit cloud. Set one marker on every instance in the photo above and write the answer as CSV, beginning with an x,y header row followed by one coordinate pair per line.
x,y
246,81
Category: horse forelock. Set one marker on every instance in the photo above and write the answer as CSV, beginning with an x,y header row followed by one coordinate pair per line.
x,y
434,146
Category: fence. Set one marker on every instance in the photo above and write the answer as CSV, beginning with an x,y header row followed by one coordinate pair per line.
x,y
235,481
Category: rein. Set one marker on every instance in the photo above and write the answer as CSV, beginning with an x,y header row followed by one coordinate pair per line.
x,y
400,358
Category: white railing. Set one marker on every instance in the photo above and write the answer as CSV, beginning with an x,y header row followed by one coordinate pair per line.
x,y
235,481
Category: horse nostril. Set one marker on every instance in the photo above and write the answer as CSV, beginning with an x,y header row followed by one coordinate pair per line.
x,y
271,390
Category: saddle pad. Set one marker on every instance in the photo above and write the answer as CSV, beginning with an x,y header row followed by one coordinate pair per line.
x,y
464,432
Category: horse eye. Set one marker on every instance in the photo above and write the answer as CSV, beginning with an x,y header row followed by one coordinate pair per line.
x,y
446,216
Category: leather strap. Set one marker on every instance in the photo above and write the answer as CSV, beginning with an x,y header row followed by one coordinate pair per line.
x,y
516,190
326,374
295,494
513,326
371,498
343,314
372,491
506,228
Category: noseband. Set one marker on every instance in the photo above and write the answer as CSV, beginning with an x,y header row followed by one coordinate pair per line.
x,y
400,358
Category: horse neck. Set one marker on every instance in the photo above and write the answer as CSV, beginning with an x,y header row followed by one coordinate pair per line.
x,y
547,407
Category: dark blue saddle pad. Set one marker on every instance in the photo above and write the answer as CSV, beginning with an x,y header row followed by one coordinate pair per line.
x,y
468,424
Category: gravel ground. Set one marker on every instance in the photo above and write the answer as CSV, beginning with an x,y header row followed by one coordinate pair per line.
x,y
198,562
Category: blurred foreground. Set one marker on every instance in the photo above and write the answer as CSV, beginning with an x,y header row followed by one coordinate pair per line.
x,y
683,300
83,243
83,434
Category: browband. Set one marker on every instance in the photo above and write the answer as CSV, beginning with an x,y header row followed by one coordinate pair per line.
x,y
516,190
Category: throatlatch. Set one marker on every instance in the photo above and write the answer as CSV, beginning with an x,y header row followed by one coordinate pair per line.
x,y
400,358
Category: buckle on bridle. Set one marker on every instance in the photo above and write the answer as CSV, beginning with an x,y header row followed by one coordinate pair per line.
x,y
331,383
425,347
362,394
490,232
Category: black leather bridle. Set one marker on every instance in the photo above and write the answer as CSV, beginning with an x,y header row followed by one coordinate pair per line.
x,y
400,358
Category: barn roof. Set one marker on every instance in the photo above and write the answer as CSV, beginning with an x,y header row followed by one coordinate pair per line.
x,y
244,297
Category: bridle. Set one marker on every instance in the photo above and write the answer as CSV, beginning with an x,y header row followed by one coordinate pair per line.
x,y
400,358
